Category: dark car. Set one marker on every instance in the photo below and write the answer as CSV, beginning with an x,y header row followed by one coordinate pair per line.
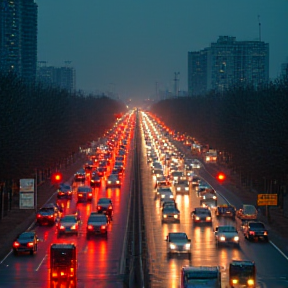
x,y
95,180
80,175
48,215
225,210
201,215
64,191
68,225
26,242
97,224
254,230
104,205
84,194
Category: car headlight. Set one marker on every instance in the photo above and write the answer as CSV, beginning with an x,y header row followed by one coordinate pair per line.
x,y
162,196
178,188
208,218
197,218
176,216
164,216
234,281
204,197
171,196
109,182
187,246
250,282
186,188
172,246
222,238
214,197
236,238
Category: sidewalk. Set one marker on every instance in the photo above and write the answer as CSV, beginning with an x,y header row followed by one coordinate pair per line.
x,y
17,221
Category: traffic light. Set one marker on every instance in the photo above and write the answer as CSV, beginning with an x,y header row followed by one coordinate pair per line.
x,y
56,178
221,177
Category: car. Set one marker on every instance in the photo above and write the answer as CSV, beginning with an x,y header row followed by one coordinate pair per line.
x,y
208,197
104,205
201,215
165,194
97,224
80,175
195,164
202,185
225,210
247,212
95,180
176,175
254,230
170,201
101,171
195,180
68,225
84,194
113,181
225,234
178,242
182,186
170,213
119,171
47,215
26,242
64,191
89,165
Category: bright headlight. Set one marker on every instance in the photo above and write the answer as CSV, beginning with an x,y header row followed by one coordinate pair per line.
x,y
178,188
197,218
162,196
175,216
164,216
186,188
250,282
214,197
187,246
172,246
222,238
171,196
208,218
234,281
236,238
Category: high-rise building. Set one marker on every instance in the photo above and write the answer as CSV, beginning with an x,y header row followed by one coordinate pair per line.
x,y
284,70
227,63
61,77
18,38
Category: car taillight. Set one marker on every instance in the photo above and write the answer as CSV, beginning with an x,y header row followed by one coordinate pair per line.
x,y
103,227
39,215
16,244
90,194
51,216
80,195
265,233
74,227
30,244
90,227
251,232
62,227
110,207
98,207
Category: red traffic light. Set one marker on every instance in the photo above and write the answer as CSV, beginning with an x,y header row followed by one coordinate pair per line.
x,y
57,178
221,177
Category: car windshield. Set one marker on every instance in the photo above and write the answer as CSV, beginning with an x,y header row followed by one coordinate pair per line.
x,y
177,236
84,189
201,211
104,201
201,275
47,210
227,229
249,209
26,236
98,218
68,219
257,225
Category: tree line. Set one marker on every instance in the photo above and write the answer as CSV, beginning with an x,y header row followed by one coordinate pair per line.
x,y
248,125
41,126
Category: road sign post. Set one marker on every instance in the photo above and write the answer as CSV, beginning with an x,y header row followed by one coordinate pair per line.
x,y
267,199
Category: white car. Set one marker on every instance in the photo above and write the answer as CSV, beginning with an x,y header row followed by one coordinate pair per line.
x,y
225,234
113,181
178,242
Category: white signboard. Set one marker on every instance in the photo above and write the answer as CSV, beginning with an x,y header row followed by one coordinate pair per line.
x,y
26,199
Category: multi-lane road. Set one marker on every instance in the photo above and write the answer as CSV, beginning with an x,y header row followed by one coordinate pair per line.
x,y
101,261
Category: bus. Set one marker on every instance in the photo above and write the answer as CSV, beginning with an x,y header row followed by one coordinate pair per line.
x,y
202,276
242,273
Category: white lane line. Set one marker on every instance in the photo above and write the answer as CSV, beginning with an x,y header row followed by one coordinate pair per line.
x,y
6,256
41,262
278,249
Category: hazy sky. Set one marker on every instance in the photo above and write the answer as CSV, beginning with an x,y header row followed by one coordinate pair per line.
x,y
127,46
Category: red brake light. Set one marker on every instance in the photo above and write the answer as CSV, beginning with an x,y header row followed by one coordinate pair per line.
x,y
16,244
30,244
90,227
103,227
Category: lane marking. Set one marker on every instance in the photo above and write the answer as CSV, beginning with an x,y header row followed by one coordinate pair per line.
x,y
6,256
278,249
41,263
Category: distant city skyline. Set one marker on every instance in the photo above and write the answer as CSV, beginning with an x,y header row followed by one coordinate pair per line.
x,y
136,44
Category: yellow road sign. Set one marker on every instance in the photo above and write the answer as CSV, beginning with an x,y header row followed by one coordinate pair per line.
x,y
267,199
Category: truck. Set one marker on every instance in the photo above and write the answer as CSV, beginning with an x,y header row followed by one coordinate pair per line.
x,y
200,276
242,273
63,262
210,156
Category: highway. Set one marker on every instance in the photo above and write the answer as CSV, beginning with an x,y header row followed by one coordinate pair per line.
x,y
101,261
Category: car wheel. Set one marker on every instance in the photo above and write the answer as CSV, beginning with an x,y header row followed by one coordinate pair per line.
x,y
31,252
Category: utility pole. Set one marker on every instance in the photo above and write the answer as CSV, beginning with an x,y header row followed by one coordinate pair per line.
x,y
176,89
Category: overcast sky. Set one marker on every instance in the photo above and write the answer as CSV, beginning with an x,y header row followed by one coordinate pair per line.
x,y
127,46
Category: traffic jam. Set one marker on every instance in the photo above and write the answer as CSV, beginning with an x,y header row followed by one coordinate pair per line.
x,y
197,234
200,238
83,209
